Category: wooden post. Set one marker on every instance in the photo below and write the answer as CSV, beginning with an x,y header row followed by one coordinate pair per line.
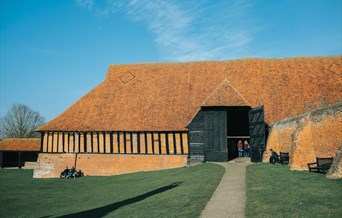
x,y
146,145
47,141
19,160
41,141
98,141
181,142
1,159
104,141
118,138
125,142
188,144
152,138
111,141
85,141
53,137
92,142
167,143
138,142
63,141
57,142
73,142
160,147
174,143
131,138
79,142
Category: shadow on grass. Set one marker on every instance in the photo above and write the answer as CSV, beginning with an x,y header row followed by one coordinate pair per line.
x,y
102,211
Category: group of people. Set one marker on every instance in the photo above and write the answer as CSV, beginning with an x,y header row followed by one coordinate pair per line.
x,y
70,173
243,148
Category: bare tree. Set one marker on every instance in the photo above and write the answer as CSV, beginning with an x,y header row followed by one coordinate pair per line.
x,y
20,122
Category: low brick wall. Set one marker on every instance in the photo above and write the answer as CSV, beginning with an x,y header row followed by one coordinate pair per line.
x,y
302,151
112,164
279,138
50,165
310,135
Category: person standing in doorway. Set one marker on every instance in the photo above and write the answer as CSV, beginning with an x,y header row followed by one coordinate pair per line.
x,y
246,147
240,148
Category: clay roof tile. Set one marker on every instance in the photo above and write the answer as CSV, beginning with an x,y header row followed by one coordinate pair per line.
x,y
165,96
20,144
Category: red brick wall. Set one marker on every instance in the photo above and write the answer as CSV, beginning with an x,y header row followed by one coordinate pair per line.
x,y
310,135
327,134
302,151
316,136
279,138
112,164
51,165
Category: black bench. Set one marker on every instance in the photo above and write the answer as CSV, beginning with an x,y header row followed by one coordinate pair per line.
x,y
321,165
284,157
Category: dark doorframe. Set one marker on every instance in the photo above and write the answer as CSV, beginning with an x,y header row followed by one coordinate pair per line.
x,y
257,133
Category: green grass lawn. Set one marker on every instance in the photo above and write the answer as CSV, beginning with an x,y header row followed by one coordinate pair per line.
x,y
181,192
275,191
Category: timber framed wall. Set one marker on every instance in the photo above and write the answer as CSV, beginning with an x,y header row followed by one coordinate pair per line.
x,y
115,142
103,153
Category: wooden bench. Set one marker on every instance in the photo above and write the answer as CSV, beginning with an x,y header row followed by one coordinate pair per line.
x,y
284,157
321,165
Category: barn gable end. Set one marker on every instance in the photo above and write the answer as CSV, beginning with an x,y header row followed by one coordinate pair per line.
x,y
225,95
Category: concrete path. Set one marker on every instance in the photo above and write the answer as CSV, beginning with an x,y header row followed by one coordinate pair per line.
x,y
229,199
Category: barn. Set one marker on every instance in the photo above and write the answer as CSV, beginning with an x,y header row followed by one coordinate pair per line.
x,y
163,115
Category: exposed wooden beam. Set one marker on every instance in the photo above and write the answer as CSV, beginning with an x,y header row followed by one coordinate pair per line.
x,y
181,142
111,141
174,143
167,143
146,145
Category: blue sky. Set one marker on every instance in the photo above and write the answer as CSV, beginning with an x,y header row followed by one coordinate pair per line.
x,y
53,52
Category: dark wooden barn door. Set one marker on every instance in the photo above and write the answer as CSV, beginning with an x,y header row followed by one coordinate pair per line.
x,y
215,129
257,133
196,139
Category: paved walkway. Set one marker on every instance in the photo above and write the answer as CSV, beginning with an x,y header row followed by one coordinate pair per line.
x,y
229,199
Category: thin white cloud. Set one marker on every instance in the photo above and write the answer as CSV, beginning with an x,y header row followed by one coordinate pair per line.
x,y
191,30
88,4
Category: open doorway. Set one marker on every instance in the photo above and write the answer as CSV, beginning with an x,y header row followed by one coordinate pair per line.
x,y
215,132
237,129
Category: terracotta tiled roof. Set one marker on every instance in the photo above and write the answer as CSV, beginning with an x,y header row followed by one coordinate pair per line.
x,y
165,96
16,144
225,95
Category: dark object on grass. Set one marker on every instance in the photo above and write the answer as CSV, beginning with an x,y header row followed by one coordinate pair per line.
x,y
65,172
284,157
79,174
274,157
71,173
321,165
